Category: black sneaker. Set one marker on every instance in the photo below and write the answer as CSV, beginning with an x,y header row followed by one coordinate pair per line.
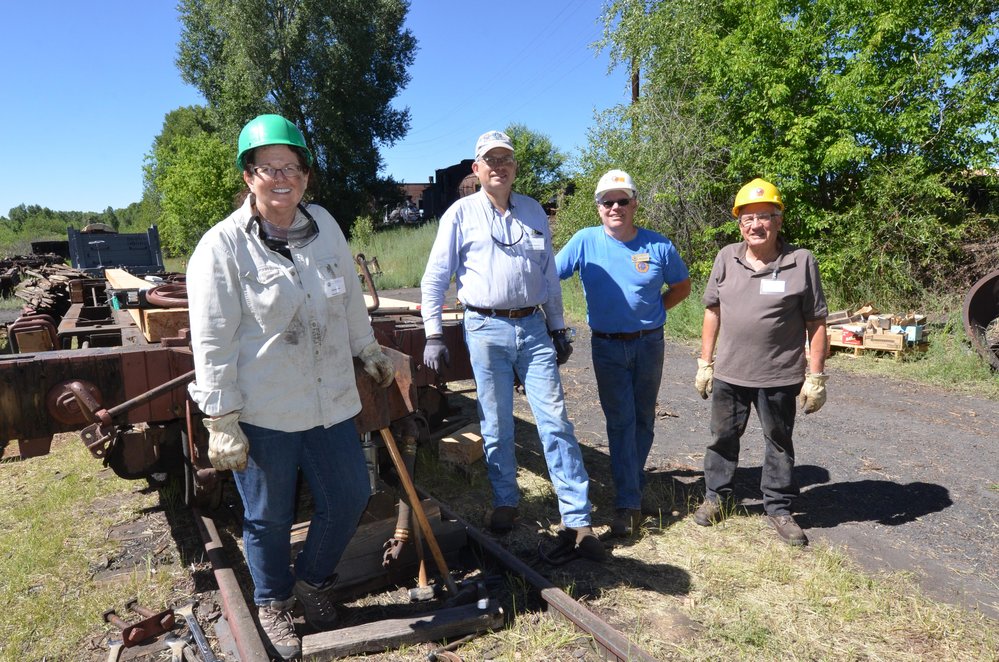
x,y
626,522
708,513
317,603
788,530
275,621
503,519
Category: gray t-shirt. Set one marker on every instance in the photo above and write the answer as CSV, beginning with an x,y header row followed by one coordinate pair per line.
x,y
761,341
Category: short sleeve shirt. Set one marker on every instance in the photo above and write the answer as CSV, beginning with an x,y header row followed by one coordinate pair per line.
x,y
761,342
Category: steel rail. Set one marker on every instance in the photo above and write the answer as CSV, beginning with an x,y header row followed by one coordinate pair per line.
x,y
614,645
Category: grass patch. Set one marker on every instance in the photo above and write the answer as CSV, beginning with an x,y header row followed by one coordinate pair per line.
x,y
49,562
401,251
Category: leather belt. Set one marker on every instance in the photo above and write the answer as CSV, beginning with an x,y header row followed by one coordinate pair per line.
x,y
512,313
634,335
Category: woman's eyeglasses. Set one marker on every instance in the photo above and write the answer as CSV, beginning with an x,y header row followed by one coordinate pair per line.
x,y
609,204
269,172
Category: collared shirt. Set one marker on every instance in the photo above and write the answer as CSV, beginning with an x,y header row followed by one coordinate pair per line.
x,y
499,260
622,281
761,342
275,337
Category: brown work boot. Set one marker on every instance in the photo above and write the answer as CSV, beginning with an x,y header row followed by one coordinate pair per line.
x,y
588,545
626,522
317,603
503,519
788,530
275,621
708,513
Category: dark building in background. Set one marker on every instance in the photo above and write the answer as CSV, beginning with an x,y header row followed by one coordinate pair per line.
x,y
446,186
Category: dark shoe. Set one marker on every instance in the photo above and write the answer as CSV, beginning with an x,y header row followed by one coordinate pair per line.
x,y
708,513
650,508
503,519
275,621
317,603
588,545
788,530
626,522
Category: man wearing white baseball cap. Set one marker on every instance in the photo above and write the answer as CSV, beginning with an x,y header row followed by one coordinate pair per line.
x,y
631,276
498,246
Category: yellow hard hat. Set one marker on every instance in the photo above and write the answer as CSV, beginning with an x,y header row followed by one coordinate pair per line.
x,y
758,190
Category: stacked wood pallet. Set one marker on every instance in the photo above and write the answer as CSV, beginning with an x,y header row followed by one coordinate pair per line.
x,y
866,329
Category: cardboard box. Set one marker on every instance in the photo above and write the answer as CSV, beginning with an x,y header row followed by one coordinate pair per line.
x,y
887,341
913,332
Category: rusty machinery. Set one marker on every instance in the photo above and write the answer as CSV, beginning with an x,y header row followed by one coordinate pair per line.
x,y
128,396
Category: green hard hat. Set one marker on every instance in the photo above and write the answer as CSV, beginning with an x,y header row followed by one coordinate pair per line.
x,y
269,130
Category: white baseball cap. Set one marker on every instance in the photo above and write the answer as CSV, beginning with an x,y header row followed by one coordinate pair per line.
x,y
491,139
615,180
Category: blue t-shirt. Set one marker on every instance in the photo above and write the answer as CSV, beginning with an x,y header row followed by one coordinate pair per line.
x,y
622,282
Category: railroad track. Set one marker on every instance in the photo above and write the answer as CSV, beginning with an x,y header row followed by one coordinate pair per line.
x,y
611,644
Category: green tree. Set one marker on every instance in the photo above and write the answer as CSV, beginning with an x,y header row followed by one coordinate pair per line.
x,y
867,114
330,66
198,182
540,165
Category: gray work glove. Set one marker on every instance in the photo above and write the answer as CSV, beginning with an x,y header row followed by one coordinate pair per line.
x,y
813,392
435,354
376,364
228,446
563,348
705,379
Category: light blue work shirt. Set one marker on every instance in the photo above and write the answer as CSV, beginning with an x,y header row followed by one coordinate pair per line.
x,y
499,260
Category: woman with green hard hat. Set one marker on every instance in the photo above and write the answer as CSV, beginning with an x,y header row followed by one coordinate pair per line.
x,y
277,316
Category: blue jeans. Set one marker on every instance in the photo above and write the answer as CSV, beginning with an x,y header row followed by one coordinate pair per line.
x,y
333,464
730,407
498,348
628,376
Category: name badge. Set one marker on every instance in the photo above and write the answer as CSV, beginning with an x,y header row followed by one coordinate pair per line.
x,y
640,257
771,286
334,287
536,242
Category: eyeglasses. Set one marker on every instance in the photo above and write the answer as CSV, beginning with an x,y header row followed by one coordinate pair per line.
x,y
609,204
747,220
497,161
269,172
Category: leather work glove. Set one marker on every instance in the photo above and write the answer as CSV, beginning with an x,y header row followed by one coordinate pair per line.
x,y
228,446
376,364
813,392
705,379
563,348
435,354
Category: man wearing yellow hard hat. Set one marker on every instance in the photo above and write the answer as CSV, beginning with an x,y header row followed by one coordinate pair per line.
x,y
762,299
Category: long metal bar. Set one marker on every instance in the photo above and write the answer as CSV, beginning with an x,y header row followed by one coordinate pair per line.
x,y
608,638
151,394
244,630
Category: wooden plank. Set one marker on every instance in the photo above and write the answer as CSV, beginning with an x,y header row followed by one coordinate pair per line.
x,y
395,632
155,323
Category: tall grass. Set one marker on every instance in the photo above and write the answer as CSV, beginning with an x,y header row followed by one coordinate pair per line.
x,y
402,253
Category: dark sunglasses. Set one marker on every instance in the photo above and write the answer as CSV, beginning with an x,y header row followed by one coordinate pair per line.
x,y
609,204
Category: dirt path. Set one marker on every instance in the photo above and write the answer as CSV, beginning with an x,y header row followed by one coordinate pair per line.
x,y
904,476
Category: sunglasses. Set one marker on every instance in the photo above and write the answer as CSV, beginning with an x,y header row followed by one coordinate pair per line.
x,y
609,204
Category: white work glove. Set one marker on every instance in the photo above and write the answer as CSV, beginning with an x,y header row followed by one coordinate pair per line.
x,y
376,364
228,446
813,392
704,381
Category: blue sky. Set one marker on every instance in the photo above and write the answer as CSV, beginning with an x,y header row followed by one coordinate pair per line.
x,y
87,85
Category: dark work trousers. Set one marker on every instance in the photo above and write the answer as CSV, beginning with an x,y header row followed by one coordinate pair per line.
x,y
730,407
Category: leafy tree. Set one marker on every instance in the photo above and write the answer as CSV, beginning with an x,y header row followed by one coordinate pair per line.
x,y
198,183
330,66
540,165
867,114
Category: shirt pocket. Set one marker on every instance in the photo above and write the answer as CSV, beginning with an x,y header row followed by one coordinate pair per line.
x,y
272,297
